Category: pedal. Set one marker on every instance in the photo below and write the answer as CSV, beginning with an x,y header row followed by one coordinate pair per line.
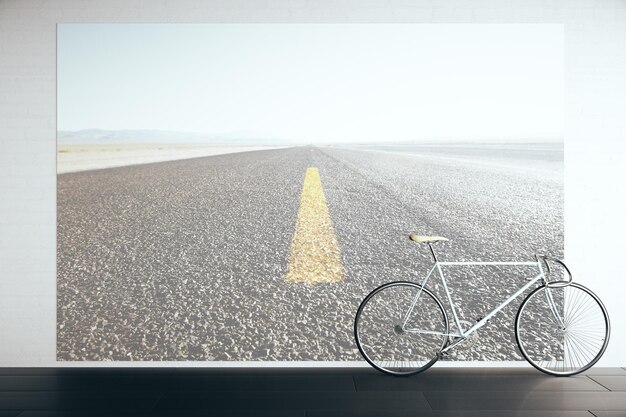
x,y
442,355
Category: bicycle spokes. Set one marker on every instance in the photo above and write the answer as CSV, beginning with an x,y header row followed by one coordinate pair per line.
x,y
395,347
568,342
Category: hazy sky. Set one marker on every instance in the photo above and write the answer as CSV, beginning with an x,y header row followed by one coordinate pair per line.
x,y
314,82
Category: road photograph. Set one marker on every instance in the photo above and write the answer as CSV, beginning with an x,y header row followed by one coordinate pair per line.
x,y
194,256
233,192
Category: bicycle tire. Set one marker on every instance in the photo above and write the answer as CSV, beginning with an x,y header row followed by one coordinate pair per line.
x,y
396,295
562,350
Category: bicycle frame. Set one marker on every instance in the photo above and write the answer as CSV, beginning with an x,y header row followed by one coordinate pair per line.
x,y
564,337
462,333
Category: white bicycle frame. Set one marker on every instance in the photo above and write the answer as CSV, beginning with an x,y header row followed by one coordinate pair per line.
x,y
462,333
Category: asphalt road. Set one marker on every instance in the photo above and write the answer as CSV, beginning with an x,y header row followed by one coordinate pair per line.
x,y
186,260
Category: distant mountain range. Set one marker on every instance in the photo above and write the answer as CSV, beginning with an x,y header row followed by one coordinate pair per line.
x,y
243,137
102,136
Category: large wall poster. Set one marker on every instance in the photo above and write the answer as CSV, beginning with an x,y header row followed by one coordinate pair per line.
x,y
231,192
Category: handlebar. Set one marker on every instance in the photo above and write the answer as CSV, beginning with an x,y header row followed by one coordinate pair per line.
x,y
558,283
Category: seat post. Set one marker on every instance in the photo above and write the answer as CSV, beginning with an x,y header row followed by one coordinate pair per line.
x,y
432,251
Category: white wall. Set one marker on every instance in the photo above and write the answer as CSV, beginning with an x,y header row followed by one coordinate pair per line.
x,y
595,102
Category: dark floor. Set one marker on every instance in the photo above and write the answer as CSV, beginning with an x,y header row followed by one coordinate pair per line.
x,y
520,392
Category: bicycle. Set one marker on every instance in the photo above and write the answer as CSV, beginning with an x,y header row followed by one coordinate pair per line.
x,y
561,328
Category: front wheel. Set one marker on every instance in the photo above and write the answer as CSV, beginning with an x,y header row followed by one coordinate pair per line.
x,y
562,331
400,328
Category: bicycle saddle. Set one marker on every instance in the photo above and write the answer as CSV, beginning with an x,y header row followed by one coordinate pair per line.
x,y
426,239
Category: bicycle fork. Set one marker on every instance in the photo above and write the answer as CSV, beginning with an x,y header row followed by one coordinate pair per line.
x,y
549,298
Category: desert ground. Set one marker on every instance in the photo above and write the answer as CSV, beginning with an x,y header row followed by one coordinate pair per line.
x,y
75,158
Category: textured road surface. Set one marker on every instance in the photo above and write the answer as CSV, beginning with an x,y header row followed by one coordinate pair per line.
x,y
186,260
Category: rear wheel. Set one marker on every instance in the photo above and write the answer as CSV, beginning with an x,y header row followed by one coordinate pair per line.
x,y
566,336
386,337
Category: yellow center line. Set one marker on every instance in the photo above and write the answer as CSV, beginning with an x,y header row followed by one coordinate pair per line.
x,y
315,256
